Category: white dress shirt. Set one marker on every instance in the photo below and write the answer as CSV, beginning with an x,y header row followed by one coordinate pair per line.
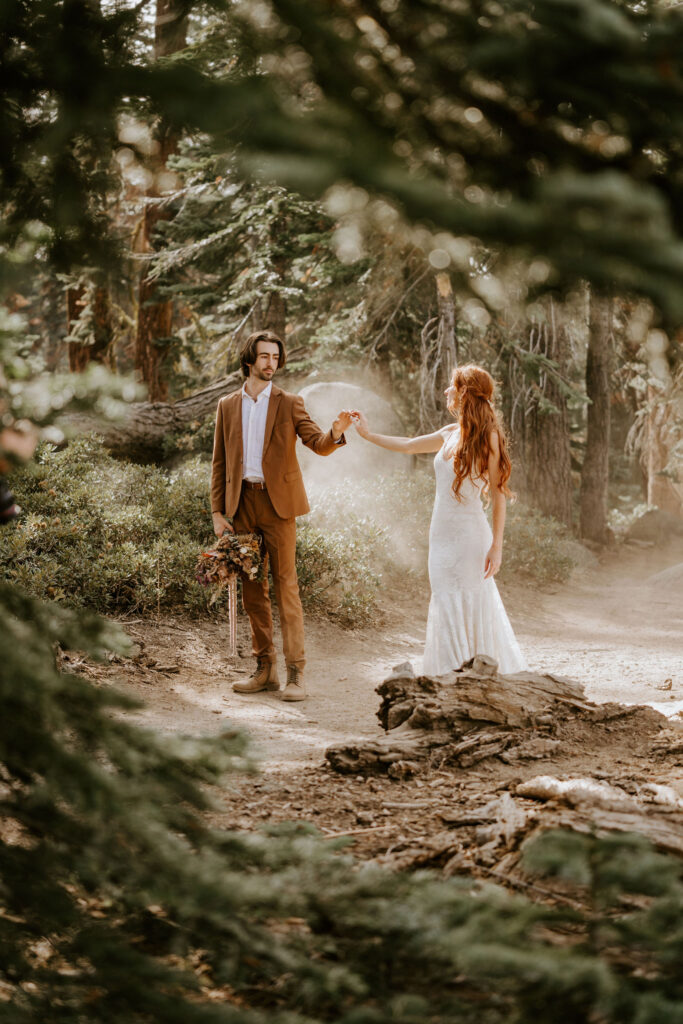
x,y
253,431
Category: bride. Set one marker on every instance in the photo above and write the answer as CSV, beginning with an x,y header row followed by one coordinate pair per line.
x,y
466,614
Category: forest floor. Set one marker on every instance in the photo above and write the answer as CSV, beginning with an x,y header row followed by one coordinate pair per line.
x,y
607,628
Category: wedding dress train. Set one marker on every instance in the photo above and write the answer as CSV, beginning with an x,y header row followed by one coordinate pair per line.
x,y
466,614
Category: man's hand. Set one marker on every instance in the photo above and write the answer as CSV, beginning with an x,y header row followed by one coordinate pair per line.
x,y
494,557
221,524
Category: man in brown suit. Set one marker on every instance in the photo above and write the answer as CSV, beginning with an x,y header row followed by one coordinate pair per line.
x,y
256,481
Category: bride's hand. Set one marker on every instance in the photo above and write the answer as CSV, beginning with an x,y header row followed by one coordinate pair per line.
x,y
360,422
494,557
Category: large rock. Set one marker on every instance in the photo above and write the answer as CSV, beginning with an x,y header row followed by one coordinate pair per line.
x,y
358,459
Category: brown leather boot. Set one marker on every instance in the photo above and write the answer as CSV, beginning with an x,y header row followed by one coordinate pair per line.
x,y
295,689
264,677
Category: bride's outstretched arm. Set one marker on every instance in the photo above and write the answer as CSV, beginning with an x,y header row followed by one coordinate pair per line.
x,y
494,556
409,445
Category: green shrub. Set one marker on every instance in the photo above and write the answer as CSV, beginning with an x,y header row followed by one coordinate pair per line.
x,y
196,439
338,569
118,537
536,548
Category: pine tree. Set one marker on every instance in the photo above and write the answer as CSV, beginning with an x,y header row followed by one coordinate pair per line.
x,y
242,257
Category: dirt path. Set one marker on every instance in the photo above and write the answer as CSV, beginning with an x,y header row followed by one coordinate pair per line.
x,y
606,628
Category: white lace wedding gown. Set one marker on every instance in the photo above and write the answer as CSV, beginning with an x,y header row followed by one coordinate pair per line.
x,y
466,614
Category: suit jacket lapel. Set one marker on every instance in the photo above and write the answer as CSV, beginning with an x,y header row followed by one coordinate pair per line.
x,y
236,416
273,403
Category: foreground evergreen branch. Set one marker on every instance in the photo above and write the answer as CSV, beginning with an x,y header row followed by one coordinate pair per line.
x,y
118,903
549,126
553,127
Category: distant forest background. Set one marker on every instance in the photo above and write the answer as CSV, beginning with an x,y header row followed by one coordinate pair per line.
x,y
393,188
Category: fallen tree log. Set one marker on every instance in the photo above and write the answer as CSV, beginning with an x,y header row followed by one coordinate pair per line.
x,y
141,435
597,808
470,715
475,693
495,834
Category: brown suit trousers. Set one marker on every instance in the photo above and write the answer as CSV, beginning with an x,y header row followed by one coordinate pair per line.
x,y
255,514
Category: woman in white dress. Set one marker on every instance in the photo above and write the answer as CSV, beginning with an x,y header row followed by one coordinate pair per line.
x,y
466,614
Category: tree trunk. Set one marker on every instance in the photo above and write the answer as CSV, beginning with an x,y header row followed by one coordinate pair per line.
x,y
662,435
546,427
154,322
595,469
276,314
81,354
439,356
155,316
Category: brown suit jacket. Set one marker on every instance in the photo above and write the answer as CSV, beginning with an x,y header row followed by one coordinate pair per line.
x,y
287,418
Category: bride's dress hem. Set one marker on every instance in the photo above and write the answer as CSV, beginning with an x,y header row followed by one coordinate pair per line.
x,y
464,622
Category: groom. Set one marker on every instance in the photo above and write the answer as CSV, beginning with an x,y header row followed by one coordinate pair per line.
x,y
256,481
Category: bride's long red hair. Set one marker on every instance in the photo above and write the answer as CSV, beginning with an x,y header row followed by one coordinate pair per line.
x,y
478,419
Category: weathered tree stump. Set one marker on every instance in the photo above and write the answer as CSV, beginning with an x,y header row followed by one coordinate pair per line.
x,y
461,718
475,714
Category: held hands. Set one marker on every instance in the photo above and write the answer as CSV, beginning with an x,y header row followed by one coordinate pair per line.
x,y
342,423
221,524
360,422
494,557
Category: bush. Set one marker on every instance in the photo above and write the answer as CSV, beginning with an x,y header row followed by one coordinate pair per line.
x,y
196,439
337,569
118,537
537,549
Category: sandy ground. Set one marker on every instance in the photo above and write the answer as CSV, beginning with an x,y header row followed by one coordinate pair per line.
x,y
606,628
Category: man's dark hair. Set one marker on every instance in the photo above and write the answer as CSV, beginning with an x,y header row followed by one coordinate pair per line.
x,y
248,350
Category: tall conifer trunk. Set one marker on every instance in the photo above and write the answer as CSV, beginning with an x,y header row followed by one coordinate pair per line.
x,y
546,428
595,469
276,314
439,356
81,355
155,316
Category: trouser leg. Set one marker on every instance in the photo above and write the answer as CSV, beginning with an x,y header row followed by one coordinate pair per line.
x,y
279,536
255,596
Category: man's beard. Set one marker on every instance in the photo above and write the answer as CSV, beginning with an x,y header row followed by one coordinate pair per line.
x,y
262,374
